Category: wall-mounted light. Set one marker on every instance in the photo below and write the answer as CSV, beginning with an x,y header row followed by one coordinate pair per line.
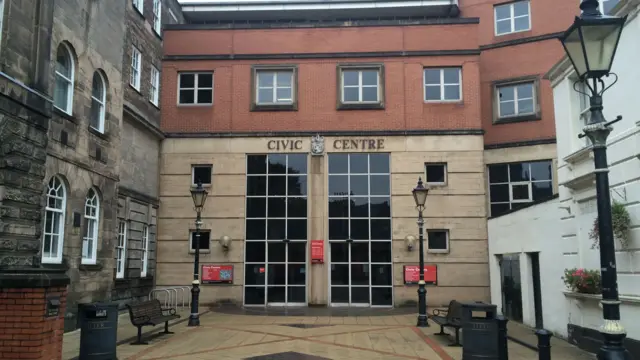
x,y
409,241
225,242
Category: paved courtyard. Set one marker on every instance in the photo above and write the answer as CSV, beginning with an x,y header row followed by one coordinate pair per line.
x,y
232,336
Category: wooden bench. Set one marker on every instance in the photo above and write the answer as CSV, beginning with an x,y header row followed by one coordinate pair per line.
x,y
449,318
150,313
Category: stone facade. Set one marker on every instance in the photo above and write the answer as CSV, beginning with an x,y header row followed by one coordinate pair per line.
x,y
140,150
459,207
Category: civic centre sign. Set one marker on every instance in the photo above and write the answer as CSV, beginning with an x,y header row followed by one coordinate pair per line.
x,y
317,144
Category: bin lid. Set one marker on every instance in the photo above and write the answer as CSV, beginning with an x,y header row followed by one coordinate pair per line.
x,y
98,305
479,305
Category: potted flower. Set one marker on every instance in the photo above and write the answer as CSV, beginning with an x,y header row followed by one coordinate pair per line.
x,y
582,281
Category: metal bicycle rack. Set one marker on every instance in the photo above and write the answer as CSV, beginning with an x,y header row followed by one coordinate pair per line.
x,y
175,296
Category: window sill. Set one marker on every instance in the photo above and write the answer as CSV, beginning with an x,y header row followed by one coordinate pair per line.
x,y
438,252
140,12
444,102
354,106
90,267
65,115
274,107
194,105
519,32
57,266
436,185
103,136
134,88
517,119
193,252
206,186
157,34
157,106
122,280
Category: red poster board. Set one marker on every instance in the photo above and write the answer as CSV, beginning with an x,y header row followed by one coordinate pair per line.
x,y
217,274
412,274
317,251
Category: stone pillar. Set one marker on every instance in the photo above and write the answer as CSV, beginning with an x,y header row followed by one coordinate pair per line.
x,y
317,223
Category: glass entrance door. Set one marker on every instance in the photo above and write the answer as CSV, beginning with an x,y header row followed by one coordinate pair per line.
x,y
276,230
360,271
511,287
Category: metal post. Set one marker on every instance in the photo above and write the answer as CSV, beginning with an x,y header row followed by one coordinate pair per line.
x,y
422,290
194,318
503,348
597,130
544,344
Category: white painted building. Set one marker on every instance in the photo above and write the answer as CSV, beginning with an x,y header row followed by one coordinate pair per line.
x,y
559,229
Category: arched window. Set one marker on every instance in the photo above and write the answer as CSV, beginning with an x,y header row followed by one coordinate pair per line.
x,y
91,223
98,100
65,67
53,234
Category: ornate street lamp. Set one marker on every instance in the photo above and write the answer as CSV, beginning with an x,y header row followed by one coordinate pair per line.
x,y
420,196
199,195
591,44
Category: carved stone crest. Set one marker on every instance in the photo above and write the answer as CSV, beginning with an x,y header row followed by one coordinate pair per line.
x,y
317,145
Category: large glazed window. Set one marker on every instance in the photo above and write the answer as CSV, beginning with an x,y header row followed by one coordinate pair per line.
x,y
91,223
53,234
65,72
512,186
98,101
360,230
276,230
121,249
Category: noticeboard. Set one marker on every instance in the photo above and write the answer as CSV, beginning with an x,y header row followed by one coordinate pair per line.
x,y
216,274
412,274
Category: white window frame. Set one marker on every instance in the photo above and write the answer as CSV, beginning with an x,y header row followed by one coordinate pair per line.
x,y
442,85
512,17
274,88
70,81
584,107
360,86
511,184
195,88
154,91
138,5
101,102
136,65
157,16
145,251
121,249
92,224
193,173
520,183
446,175
601,5
1,19
55,190
516,99
438,251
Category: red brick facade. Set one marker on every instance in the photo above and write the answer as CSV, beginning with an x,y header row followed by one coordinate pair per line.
x,y
25,330
484,58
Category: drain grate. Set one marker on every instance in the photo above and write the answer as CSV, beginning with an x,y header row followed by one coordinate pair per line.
x,y
305,326
289,355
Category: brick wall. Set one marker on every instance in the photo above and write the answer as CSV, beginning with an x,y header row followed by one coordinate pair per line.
x,y
25,330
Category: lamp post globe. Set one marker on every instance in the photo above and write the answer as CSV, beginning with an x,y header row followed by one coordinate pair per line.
x,y
420,196
199,195
591,44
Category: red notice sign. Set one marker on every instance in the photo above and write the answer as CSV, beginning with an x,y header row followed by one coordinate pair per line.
x,y
317,251
217,274
412,274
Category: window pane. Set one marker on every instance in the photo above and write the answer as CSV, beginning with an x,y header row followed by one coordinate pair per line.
x,y
506,93
499,193
437,240
521,8
338,185
297,185
435,173
503,12
525,91
525,106
359,207
351,94
608,6
451,76
498,173
187,80
379,163
205,80
187,97
381,275
297,229
520,192
265,96
519,172
96,114
338,207
433,93
381,229
265,79
284,78
432,76
350,77
283,94
541,190
297,164
503,27
205,96
202,173
370,94
507,108
451,92
541,170
97,90
338,163
63,63
370,77
380,207
499,209
256,207
62,93
380,185
521,23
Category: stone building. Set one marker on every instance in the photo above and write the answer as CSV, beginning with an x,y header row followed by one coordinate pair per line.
x,y
140,145
25,116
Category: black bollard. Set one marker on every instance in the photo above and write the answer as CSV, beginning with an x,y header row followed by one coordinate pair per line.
x,y
503,350
544,344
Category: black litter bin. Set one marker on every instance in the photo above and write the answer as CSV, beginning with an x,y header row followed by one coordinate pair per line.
x,y
479,332
98,331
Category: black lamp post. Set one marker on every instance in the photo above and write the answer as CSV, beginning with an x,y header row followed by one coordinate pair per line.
x,y
420,196
199,195
591,44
